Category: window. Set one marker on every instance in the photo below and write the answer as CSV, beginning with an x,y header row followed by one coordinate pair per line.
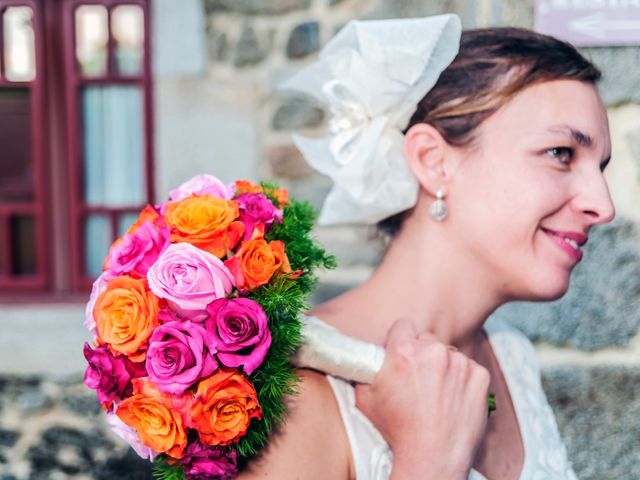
x,y
22,194
62,206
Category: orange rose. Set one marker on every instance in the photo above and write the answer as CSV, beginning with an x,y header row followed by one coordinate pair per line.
x,y
223,407
126,313
148,214
256,261
282,196
156,417
245,186
206,222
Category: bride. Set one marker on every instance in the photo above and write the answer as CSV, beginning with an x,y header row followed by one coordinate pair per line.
x,y
482,156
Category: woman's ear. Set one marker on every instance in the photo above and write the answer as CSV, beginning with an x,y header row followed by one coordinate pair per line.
x,y
424,149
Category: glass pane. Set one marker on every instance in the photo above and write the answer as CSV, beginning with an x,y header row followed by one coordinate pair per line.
x,y
19,44
125,221
98,238
127,28
23,246
114,165
92,36
16,163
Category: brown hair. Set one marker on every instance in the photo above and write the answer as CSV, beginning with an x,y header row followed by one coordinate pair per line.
x,y
492,66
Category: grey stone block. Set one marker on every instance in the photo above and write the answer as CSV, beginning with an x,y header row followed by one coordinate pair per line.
x,y
633,139
420,8
602,306
256,7
303,40
597,410
296,113
219,47
248,50
286,161
621,77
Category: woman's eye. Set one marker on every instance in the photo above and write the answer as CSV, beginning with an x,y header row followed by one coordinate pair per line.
x,y
564,155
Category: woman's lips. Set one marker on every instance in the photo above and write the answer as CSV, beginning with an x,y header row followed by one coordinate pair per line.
x,y
559,239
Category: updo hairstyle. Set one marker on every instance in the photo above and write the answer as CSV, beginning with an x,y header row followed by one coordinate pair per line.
x,y
492,66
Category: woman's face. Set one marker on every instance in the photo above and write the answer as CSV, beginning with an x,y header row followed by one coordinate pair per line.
x,y
525,198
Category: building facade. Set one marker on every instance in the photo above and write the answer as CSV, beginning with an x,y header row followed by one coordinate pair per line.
x,y
105,105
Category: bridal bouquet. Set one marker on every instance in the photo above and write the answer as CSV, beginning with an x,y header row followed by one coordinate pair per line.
x,y
196,320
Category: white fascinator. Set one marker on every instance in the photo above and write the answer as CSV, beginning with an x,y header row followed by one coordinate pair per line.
x,y
371,76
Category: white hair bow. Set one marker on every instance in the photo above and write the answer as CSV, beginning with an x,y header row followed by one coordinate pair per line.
x,y
372,75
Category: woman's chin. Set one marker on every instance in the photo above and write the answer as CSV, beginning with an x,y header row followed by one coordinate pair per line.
x,y
552,289
546,289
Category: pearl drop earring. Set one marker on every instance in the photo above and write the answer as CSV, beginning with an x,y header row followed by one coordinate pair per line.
x,y
439,209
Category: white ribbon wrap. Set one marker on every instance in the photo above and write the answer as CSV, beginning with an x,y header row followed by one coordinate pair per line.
x,y
325,349
371,76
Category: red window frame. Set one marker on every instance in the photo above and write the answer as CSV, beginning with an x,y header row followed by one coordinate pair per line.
x,y
59,209
35,208
74,83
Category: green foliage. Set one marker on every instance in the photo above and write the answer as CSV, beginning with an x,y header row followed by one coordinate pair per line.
x,y
162,470
283,301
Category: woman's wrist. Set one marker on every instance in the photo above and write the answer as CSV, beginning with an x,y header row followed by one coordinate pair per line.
x,y
417,465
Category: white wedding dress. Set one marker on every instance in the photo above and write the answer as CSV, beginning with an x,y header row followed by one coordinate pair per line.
x,y
545,455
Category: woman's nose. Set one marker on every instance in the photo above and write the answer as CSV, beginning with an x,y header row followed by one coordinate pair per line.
x,y
594,199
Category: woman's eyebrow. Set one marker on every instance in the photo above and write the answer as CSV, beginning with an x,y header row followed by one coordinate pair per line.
x,y
579,137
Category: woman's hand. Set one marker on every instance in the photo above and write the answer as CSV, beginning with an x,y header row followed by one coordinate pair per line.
x,y
430,404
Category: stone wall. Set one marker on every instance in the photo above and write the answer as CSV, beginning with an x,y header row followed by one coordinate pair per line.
x,y
218,110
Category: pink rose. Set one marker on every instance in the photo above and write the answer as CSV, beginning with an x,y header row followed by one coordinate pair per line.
x,y
99,286
177,356
202,462
189,278
201,185
239,330
136,252
257,211
109,376
129,435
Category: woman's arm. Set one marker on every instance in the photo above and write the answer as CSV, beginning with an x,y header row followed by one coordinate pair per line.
x,y
429,403
312,444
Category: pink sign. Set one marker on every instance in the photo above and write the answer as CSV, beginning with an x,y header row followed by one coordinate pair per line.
x,y
590,22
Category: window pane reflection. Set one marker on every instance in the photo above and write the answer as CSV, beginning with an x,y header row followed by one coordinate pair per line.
x,y
113,146
127,27
16,163
23,246
98,239
19,44
92,36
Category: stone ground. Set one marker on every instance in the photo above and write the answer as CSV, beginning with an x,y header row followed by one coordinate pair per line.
x,y
52,428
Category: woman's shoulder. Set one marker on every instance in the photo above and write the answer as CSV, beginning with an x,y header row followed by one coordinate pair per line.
x,y
312,442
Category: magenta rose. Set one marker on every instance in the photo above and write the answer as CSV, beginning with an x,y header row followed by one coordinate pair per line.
x,y
136,252
109,376
256,210
166,315
240,333
178,357
202,462
189,278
